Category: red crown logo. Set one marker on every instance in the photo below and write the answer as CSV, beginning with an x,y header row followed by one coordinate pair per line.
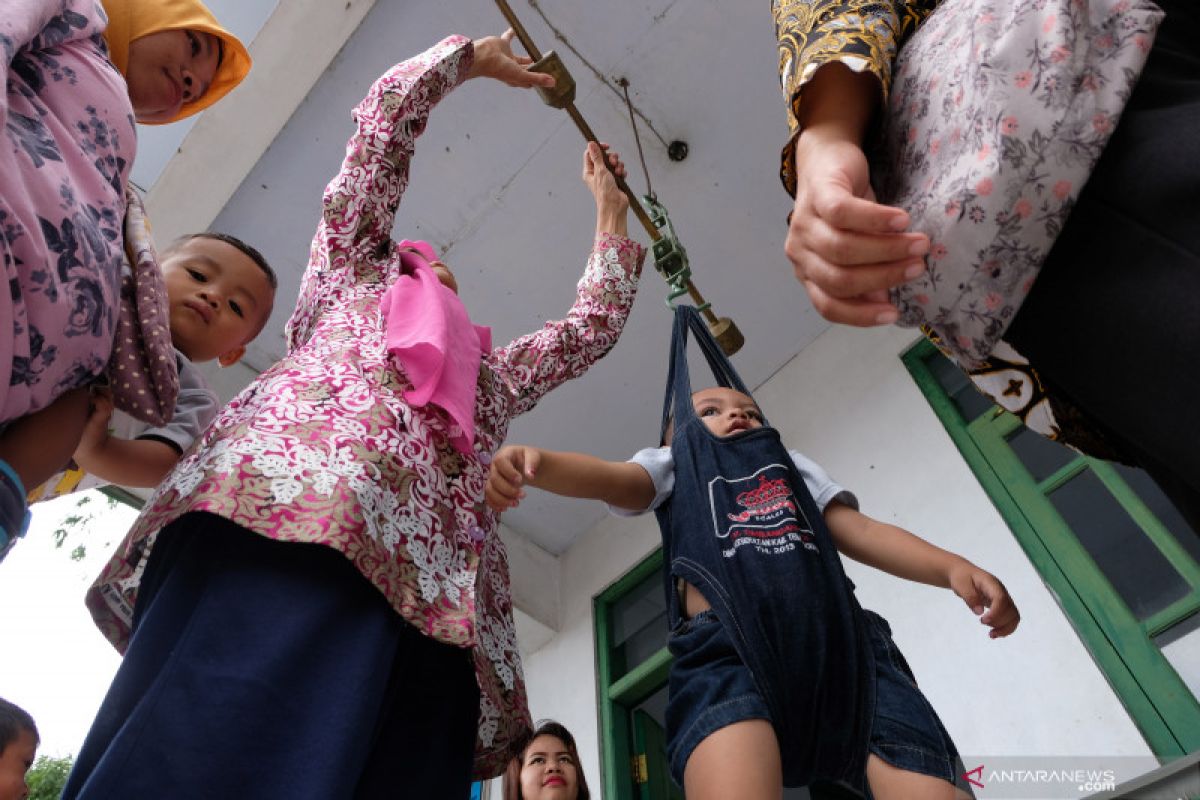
x,y
766,492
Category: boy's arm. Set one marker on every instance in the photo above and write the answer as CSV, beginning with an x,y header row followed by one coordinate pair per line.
x,y
900,553
360,203
138,463
144,462
619,483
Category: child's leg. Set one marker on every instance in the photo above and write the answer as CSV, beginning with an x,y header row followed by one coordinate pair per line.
x,y
740,760
721,744
892,783
912,755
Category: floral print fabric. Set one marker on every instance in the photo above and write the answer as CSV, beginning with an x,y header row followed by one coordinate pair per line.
x,y
998,113
865,36
323,448
70,141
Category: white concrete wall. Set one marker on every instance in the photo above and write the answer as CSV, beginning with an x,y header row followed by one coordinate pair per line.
x,y
848,402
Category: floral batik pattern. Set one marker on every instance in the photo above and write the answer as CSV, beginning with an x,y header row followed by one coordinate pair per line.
x,y
998,113
70,141
323,447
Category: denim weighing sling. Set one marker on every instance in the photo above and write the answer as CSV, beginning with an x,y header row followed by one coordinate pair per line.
x,y
743,528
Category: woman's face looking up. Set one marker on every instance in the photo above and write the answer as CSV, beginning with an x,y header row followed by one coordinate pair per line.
x,y
548,772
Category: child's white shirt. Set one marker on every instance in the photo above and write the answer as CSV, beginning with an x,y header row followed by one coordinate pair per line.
x,y
660,465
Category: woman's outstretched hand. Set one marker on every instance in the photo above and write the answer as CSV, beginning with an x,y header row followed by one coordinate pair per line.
x,y
611,203
494,59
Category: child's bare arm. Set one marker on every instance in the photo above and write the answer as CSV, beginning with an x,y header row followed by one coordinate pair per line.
x,y
137,463
898,552
618,483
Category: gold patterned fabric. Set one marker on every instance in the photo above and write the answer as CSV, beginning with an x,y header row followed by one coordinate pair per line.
x,y
862,34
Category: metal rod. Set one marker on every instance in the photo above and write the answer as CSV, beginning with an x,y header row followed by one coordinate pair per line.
x,y
519,29
635,204
530,48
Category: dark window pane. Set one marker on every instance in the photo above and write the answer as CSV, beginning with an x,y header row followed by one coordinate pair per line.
x,y
1040,456
1143,578
1162,507
639,621
955,383
656,706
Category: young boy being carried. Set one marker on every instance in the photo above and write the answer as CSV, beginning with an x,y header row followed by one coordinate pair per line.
x,y
779,678
220,292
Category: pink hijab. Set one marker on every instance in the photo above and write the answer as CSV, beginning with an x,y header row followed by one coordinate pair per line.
x,y
432,337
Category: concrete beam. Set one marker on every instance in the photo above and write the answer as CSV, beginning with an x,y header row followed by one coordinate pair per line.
x,y
535,583
294,47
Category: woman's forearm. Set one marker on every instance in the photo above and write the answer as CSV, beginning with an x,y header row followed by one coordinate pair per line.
x,y
838,102
613,220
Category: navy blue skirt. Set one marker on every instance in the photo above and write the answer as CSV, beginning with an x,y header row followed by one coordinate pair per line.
x,y
270,669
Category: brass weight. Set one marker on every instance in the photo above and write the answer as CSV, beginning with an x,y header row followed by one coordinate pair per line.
x,y
727,335
563,92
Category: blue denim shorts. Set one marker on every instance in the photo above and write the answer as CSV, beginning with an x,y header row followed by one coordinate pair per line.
x,y
710,688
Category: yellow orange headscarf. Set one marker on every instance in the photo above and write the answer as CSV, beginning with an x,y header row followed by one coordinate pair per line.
x,y
133,19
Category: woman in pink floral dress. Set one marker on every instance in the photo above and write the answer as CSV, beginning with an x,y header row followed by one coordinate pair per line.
x,y
315,603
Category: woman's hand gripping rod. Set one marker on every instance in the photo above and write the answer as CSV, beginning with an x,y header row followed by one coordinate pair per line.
x,y
669,255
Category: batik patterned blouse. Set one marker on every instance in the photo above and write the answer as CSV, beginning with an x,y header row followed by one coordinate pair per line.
x,y
67,145
323,447
862,34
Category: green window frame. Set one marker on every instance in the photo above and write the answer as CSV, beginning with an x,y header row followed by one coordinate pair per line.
x,y
1156,697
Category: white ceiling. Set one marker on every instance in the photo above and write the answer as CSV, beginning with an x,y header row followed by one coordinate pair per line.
x,y
496,187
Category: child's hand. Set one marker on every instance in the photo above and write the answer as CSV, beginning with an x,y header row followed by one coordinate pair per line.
x,y
511,467
494,59
611,202
95,430
982,590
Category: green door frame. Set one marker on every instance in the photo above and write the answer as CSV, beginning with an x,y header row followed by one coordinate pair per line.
x,y
1159,702
619,695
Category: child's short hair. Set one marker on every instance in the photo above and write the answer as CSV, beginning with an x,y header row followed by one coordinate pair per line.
x,y
229,239
13,720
